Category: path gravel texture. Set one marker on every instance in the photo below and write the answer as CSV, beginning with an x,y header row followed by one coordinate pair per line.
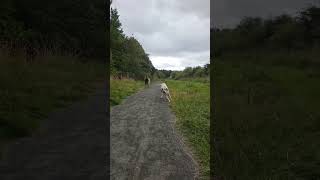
x,y
71,145
144,143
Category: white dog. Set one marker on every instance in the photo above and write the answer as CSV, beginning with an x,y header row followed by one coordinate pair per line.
x,y
165,91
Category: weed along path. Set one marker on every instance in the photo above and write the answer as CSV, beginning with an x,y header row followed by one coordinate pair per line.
x,y
71,145
144,144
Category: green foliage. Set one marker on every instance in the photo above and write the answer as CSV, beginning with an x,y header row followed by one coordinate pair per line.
x,y
191,105
265,83
188,73
264,114
28,92
61,27
120,89
309,18
128,56
281,33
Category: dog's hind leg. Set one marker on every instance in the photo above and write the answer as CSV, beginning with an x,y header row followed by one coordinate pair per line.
x,y
168,98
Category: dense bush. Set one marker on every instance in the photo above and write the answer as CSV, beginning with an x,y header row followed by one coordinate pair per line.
x,y
58,27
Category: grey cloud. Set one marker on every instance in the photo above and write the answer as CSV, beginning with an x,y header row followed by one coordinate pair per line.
x,y
200,7
167,65
168,27
192,60
180,37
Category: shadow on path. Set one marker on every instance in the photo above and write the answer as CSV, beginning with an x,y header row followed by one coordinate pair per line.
x,y
71,144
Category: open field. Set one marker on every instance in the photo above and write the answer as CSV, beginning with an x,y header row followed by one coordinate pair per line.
x,y
191,105
120,89
28,92
266,123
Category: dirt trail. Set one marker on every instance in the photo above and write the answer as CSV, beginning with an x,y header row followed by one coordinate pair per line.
x,y
144,144
71,145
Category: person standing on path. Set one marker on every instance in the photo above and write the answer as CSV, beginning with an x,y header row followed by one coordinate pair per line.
x,y
147,81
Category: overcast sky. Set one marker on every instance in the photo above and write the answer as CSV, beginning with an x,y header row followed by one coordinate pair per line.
x,y
176,33
227,13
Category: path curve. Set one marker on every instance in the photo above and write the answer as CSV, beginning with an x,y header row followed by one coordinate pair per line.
x,y
144,143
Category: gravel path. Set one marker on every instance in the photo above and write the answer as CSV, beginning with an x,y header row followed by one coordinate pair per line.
x,y
144,144
71,145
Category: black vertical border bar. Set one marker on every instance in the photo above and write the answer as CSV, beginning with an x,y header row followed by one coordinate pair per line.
x,y
212,117
107,91
212,99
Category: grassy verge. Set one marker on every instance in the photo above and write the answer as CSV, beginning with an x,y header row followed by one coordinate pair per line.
x,y
266,121
28,92
197,79
191,105
120,89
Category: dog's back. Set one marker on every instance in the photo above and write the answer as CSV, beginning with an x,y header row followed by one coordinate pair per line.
x,y
163,86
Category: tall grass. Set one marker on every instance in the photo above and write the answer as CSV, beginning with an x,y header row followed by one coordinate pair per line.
x,y
196,79
266,122
294,59
120,89
191,105
29,91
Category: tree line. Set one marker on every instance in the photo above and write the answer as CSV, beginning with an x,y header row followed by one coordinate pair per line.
x,y
187,73
283,33
57,27
128,58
